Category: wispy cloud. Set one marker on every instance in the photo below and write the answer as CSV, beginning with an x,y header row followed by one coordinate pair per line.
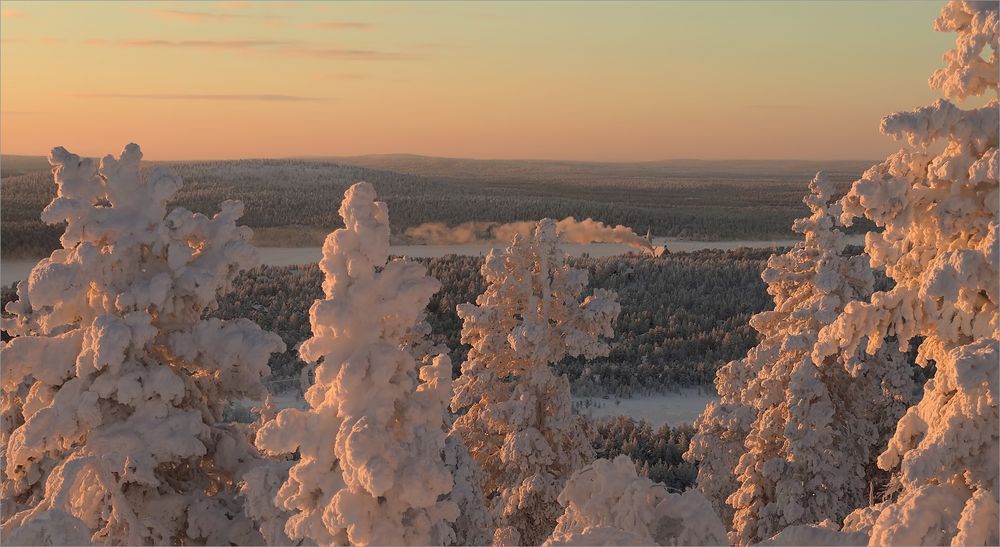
x,y
211,16
202,97
339,25
290,48
350,54
204,44
192,16
7,12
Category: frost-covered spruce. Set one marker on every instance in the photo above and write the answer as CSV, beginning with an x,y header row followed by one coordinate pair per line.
x,y
371,439
608,503
937,207
475,525
810,433
114,384
718,444
515,414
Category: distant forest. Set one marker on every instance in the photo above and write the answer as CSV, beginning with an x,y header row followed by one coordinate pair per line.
x,y
683,315
294,202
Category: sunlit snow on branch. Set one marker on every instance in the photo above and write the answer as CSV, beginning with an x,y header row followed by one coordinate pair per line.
x,y
370,442
114,385
515,415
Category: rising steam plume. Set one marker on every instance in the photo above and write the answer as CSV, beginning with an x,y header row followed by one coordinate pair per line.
x,y
571,231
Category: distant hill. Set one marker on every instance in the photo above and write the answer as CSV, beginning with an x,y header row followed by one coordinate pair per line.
x,y
11,165
294,202
594,172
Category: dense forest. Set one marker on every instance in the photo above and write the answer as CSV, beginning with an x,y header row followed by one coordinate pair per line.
x,y
288,201
683,315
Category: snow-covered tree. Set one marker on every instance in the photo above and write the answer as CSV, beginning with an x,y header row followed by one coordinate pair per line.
x,y
936,201
475,525
262,481
371,468
515,414
114,385
809,432
717,445
608,503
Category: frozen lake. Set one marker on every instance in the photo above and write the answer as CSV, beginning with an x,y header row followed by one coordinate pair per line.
x,y
14,270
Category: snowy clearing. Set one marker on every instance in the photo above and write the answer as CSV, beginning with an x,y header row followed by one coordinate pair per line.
x,y
664,408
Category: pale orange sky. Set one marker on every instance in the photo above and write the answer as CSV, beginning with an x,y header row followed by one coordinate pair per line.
x,y
587,80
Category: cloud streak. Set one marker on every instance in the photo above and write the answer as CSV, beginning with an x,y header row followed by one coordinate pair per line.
x,y
192,16
267,97
339,25
204,44
348,54
289,48
209,16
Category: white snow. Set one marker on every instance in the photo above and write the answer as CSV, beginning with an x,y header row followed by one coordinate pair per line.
x,y
608,503
114,385
936,200
674,408
371,438
518,421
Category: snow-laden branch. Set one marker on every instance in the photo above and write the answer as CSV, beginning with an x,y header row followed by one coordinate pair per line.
x,y
518,421
114,385
370,442
938,210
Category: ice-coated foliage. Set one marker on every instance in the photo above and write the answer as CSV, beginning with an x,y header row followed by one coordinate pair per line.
x,y
936,201
260,484
53,527
114,385
371,439
722,429
826,533
475,525
515,414
792,442
608,503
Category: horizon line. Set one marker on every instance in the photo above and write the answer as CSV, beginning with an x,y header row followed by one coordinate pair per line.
x,y
321,157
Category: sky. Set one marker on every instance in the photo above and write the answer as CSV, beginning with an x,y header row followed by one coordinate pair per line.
x,y
624,81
